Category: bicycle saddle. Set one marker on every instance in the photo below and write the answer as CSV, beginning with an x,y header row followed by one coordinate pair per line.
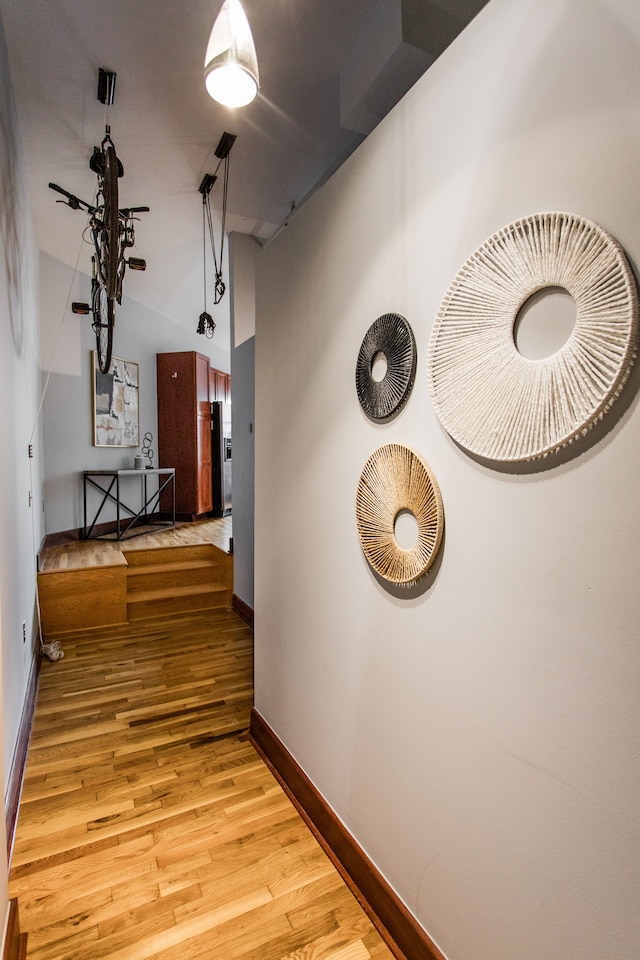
x,y
96,163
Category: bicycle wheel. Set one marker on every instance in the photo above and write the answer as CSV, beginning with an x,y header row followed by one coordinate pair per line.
x,y
109,238
103,309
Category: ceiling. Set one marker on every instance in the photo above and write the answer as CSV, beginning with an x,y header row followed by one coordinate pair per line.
x,y
329,71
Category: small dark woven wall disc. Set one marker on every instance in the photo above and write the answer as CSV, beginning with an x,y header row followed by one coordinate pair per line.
x,y
391,336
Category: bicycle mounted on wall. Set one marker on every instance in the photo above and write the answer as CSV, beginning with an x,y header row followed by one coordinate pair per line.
x,y
112,232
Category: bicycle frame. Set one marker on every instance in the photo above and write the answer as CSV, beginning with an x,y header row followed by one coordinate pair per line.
x,y
112,233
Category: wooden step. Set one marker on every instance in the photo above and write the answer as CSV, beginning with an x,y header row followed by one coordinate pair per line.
x,y
164,581
167,575
92,587
174,554
171,600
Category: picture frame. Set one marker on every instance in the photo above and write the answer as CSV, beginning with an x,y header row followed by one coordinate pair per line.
x,y
115,403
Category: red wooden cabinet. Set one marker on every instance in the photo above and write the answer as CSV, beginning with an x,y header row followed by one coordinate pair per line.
x,y
184,428
219,386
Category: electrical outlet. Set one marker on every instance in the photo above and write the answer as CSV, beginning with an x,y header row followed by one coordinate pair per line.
x,y
24,631
30,451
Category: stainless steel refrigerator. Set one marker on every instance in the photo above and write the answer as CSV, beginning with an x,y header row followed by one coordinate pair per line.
x,y
221,457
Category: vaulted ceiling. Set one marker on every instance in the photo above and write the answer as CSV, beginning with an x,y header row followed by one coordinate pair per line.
x,y
329,70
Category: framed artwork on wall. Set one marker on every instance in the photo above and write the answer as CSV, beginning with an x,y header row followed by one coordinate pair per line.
x,y
115,404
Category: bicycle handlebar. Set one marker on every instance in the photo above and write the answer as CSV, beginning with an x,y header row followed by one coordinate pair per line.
x,y
74,202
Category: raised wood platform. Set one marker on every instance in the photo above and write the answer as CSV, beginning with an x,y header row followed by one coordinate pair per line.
x,y
88,584
78,599
66,551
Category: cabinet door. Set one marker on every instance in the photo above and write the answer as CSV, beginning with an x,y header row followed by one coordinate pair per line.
x,y
184,429
220,385
177,427
205,493
204,496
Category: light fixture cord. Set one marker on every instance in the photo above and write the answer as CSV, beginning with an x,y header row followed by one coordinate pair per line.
x,y
219,288
204,253
225,191
211,237
218,292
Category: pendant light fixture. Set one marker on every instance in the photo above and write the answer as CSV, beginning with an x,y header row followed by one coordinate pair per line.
x,y
230,63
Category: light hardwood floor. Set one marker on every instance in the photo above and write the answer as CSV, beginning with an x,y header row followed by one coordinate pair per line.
x,y
100,553
149,827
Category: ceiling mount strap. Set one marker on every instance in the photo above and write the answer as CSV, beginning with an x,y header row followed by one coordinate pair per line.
x,y
106,86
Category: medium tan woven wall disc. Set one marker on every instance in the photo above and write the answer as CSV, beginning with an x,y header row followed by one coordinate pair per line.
x,y
499,404
394,479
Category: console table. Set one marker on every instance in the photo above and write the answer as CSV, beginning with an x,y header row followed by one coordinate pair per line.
x,y
109,483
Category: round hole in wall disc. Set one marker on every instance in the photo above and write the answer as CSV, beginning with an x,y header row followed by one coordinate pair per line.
x,y
544,323
405,530
379,367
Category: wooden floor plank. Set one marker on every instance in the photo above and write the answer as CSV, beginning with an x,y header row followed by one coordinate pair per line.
x,y
82,553
150,829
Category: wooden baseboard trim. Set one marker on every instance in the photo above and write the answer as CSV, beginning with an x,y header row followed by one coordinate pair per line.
x,y
404,936
15,943
60,538
242,609
16,774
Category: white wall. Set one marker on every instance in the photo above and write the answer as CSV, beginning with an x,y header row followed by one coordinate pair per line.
x,y
20,483
479,737
243,253
67,345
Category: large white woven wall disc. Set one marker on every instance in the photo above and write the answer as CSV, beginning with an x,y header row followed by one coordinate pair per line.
x,y
493,401
395,479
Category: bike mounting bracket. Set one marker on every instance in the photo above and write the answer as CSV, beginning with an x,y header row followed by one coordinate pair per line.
x,y
225,143
207,182
106,86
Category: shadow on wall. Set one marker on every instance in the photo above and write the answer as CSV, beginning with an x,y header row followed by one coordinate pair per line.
x,y
579,447
415,590
11,199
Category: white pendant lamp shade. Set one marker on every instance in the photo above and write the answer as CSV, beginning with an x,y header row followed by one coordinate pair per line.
x,y
230,63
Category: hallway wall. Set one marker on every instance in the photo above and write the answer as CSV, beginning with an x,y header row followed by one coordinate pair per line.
x,y
479,736
243,253
20,476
